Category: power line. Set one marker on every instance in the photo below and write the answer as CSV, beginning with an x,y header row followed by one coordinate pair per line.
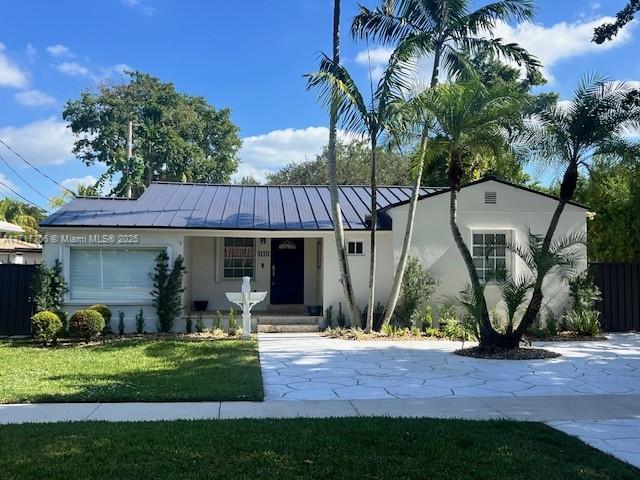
x,y
35,168
23,179
23,198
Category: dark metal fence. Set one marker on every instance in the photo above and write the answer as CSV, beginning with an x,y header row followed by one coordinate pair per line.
x,y
620,287
16,307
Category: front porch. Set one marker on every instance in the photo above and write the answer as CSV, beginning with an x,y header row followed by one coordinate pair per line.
x,y
288,267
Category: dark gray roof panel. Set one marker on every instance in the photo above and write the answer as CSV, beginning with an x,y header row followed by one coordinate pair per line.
x,y
231,207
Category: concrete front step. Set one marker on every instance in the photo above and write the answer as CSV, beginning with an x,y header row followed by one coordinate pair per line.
x,y
271,328
287,320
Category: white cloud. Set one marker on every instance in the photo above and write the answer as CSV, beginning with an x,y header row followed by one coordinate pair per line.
x,y
72,183
374,58
11,75
560,41
551,45
271,151
73,69
59,50
34,98
141,5
43,142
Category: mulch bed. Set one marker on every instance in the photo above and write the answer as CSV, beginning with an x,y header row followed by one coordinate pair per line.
x,y
515,354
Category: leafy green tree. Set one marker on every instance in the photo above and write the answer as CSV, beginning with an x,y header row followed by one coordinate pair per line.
x,y
167,290
66,195
22,214
607,31
353,165
176,137
613,193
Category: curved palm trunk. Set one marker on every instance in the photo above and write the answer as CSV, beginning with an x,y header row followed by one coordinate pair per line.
x,y
374,222
567,189
485,329
392,301
394,295
336,212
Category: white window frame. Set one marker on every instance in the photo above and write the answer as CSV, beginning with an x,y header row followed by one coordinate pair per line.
x,y
508,254
220,258
65,255
355,248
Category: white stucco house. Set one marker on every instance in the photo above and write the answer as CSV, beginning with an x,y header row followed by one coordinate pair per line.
x,y
282,237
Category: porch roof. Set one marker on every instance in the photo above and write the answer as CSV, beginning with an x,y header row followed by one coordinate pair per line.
x,y
232,207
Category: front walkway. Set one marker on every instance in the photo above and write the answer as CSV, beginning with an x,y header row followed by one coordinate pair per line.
x,y
311,367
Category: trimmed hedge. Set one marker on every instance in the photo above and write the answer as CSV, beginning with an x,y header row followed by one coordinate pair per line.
x,y
46,327
86,324
106,314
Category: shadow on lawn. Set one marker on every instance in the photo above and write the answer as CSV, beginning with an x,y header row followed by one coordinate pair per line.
x,y
159,370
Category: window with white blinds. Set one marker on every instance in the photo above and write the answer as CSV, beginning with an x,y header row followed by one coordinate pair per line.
x,y
111,273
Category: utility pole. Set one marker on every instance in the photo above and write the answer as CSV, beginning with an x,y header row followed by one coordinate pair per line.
x,y
129,155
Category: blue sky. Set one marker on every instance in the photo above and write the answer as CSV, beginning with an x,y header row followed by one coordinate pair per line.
x,y
249,56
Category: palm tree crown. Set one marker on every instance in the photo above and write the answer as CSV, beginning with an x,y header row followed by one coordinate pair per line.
x,y
450,26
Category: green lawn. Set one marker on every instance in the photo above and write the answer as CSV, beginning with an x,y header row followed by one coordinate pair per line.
x,y
358,448
131,370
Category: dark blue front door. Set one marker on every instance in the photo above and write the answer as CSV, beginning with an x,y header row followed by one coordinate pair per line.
x,y
287,271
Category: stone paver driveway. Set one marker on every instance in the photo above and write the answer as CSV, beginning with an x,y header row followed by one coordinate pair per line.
x,y
311,367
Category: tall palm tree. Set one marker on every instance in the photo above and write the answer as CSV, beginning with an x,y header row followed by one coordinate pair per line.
x,y
338,226
338,91
596,123
450,26
469,121
452,32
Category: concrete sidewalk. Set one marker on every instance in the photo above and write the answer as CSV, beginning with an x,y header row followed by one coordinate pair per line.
x,y
538,409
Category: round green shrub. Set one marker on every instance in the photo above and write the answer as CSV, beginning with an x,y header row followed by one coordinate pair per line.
x,y
46,327
86,324
106,314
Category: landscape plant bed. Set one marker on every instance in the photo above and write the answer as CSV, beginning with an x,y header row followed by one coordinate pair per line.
x,y
185,337
303,448
569,337
348,334
513,354
138,368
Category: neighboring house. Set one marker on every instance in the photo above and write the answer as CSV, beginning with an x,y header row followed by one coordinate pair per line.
x,y
282,236
17,251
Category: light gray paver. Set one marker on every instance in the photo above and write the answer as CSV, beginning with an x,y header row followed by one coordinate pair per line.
x,y
620,438
415,369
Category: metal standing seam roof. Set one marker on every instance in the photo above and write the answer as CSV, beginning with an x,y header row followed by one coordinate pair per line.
x,y
232,207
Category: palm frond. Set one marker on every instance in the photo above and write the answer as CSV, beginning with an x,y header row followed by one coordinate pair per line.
x,y
337,89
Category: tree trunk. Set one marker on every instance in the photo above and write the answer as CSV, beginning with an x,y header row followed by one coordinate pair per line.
x,y
435,73
455,177
374,221
336,212
408,234
567,190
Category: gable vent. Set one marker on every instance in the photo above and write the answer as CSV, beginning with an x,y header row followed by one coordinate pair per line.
x,y
491,197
